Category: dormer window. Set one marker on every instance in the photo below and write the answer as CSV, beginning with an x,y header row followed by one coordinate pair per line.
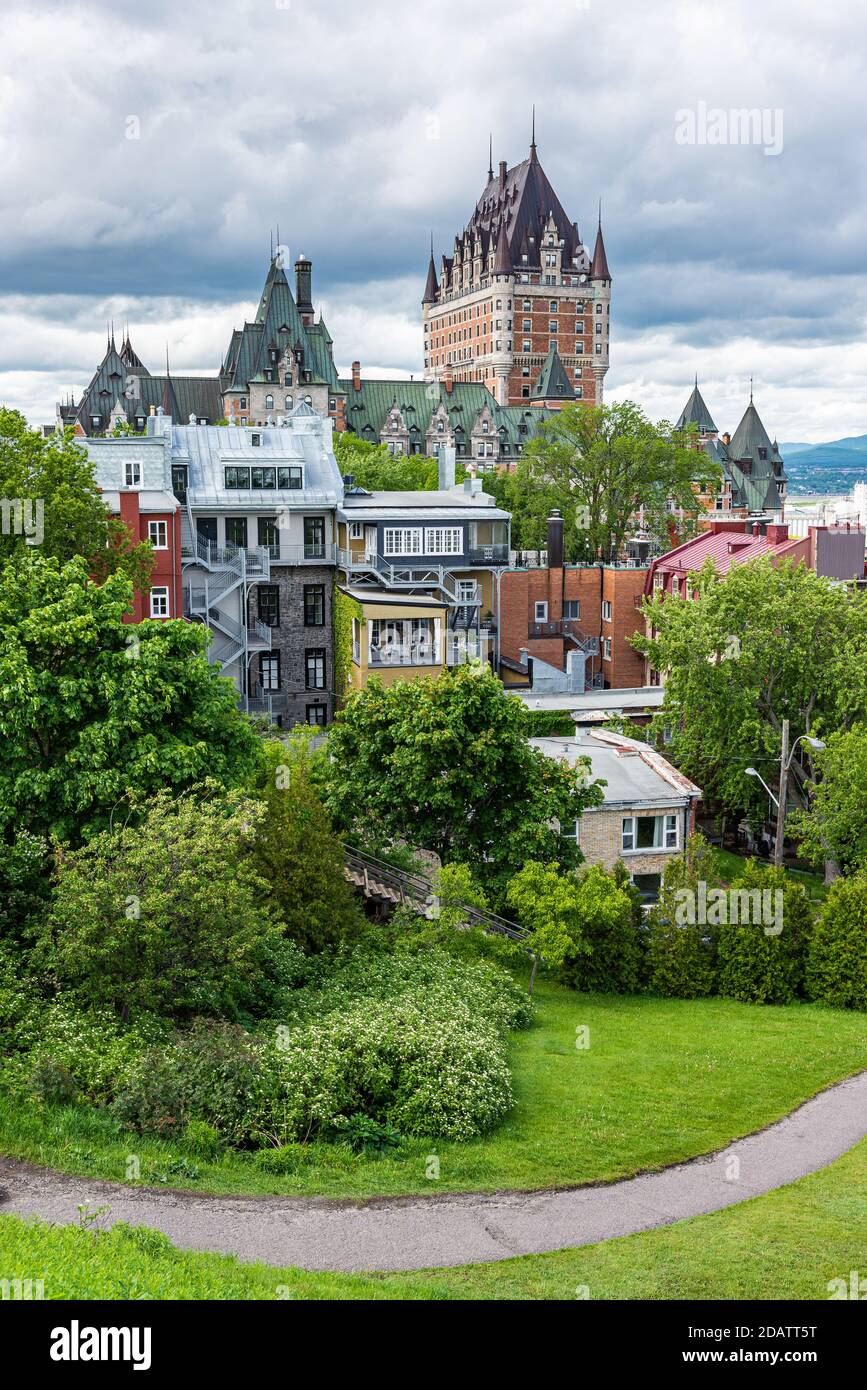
x,y
255,439
132,474
272,355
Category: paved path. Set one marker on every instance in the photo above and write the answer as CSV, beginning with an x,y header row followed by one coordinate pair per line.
x,y
418,1232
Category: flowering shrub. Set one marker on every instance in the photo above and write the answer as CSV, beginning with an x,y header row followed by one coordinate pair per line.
x,y
417,1044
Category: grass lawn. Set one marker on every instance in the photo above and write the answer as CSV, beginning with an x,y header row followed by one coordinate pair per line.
x,y
729,866
787,1245
662,1080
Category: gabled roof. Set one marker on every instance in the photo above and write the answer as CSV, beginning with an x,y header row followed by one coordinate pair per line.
x,y
553,383
278,325
695,412
367,409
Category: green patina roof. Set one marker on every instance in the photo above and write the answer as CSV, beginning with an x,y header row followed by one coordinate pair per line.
x,y
695,412
553,383
368,407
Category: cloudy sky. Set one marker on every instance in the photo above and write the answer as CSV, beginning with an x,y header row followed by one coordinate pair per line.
x,y
148,151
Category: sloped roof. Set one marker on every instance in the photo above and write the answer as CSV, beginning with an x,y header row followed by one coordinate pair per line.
x,y
599,267
553,383
695,412
367,409
521,204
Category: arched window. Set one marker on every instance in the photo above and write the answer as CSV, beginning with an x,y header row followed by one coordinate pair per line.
x,y
269,402
289,402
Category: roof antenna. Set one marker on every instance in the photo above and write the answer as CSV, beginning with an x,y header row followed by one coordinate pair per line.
x,y
600,214
751,390
533,135
168,373
491,155
271,232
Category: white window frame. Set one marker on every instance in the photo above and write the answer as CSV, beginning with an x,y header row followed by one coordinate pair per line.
x,y
132,474
540,610
159,599
606,610
577,614
606,649
402,540
668,824
443,540
155,529
356,531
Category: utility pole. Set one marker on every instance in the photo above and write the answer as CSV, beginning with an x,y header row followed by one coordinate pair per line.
x,y
781,804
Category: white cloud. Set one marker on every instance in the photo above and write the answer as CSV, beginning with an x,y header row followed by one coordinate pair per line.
x,y
361,127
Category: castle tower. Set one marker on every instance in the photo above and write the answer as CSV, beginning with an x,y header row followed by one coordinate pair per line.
x,y
519,286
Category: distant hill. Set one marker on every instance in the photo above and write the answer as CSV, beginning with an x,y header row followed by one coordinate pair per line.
x,y
833,467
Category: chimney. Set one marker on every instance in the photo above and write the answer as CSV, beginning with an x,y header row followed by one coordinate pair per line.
x,y
348,482
446,468
448,380
777,532
502,173
555,541
304,289
356,376
757,530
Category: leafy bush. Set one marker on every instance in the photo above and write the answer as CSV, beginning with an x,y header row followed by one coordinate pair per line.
x,y
51,1083
681,960
366,1136
583,925
209,1073
837,958
203,1139
24,882
413,1042
168,915
755,967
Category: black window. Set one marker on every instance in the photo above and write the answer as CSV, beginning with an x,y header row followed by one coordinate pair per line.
x,y
179,481
289,478
236,531
237,478
314,605
263,478
269,605
317,714
314,668
269,670
268,534
314,537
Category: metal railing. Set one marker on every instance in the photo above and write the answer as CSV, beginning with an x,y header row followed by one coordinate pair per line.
x,y
379,879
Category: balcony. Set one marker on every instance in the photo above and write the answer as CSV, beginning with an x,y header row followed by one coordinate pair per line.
x,y
489,555
311,553
396,654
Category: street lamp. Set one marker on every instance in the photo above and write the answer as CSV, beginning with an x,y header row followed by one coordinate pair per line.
x,y
786,759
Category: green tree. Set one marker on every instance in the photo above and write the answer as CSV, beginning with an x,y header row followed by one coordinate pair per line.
x,y
297,852
680,953
93,710
758,965
58,473
375,469
834,827
837,959
24,881
446,765
582,924
598,465
762,644
168,915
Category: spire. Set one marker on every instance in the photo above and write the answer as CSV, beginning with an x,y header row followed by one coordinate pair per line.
x,y
533,155
431,287
490,156
599,267
751,390
503,258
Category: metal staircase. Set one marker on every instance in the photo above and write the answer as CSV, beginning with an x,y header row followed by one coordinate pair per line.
x,y
383,882
464,612
227,570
